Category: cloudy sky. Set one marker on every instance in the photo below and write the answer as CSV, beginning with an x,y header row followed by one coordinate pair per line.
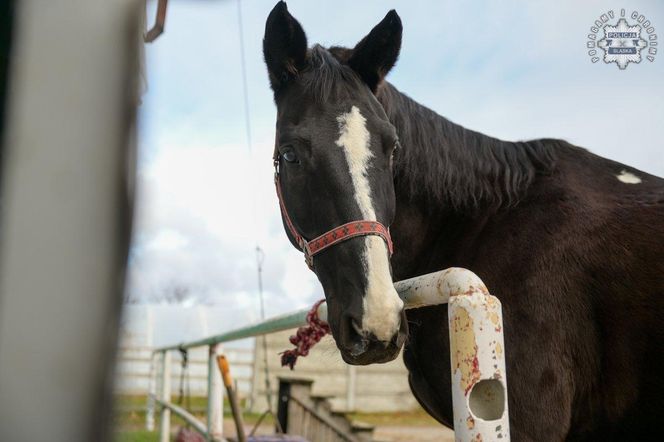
x,y
514,70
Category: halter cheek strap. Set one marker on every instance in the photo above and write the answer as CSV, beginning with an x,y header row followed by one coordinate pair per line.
x,y
331,237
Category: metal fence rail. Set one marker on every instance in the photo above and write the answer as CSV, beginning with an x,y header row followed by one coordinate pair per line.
x,y
276,324
477,350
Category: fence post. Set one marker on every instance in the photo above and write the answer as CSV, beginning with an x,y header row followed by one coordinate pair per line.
x,y
152,390
477,358
165,419
215,405
67,192
350,387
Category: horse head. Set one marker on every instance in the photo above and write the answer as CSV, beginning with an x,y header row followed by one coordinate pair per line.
x,y
333,153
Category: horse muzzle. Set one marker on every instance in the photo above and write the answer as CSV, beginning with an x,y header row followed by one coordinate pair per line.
x,y
360,348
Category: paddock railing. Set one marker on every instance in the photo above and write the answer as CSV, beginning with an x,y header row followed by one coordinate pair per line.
x,y
477,358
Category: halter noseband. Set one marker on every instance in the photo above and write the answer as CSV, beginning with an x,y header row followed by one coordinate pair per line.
x,y
333,236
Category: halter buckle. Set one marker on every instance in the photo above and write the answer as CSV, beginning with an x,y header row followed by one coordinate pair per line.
x,y
275,163
308,257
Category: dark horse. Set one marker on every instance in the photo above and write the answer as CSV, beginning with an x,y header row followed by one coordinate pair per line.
x,y
571,243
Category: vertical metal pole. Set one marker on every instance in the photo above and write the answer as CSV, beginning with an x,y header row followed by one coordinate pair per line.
x,y
350,388
152,380
165,420
477,353
152,390
215,405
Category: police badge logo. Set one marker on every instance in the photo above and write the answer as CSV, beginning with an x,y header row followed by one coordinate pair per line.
x,y
622,41
622,44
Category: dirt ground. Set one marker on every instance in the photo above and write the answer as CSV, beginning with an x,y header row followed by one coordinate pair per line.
x,y
413,434
382,433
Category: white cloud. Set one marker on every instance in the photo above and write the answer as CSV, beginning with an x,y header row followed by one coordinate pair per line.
x,y
195,229
167,240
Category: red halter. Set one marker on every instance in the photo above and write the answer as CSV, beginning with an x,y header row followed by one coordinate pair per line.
x,y
331,237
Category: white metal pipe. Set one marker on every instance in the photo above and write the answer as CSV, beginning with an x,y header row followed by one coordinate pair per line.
x,y
351,379
215,405
477,359
152,389
165,418
436,288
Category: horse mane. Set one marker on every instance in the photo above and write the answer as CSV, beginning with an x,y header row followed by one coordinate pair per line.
x,y
326,76
443,162
440,162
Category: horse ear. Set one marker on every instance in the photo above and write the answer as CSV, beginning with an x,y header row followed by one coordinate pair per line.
x,y
284,46
376,54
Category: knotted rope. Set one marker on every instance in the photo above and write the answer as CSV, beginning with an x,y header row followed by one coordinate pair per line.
x,y
306,337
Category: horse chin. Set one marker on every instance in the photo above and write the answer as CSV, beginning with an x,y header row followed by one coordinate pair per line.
x,y
373,355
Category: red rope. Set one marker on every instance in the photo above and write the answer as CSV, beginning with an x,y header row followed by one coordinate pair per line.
x,y
306,337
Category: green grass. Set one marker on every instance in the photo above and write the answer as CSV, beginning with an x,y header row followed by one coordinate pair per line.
x,y
136,436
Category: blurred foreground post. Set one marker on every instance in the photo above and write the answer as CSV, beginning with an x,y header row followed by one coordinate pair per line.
x,y
66,214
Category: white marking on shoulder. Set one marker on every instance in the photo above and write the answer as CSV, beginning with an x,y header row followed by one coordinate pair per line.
x,y
628,177
381,304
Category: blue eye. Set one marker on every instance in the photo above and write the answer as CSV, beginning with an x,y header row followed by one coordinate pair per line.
x,y
289,156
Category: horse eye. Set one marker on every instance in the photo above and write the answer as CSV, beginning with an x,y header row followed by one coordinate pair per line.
x,y
289,156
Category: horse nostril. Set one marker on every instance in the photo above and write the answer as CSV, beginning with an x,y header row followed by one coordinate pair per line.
x,y
359,347
356,341
356,327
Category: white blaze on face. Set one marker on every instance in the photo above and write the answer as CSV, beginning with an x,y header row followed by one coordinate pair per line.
x,y
628,177
381,303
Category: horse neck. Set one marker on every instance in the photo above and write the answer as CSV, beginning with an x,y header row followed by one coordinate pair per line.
x,y
449,180
440,161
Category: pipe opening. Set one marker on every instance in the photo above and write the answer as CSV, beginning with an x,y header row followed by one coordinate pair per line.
x,y
487,399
